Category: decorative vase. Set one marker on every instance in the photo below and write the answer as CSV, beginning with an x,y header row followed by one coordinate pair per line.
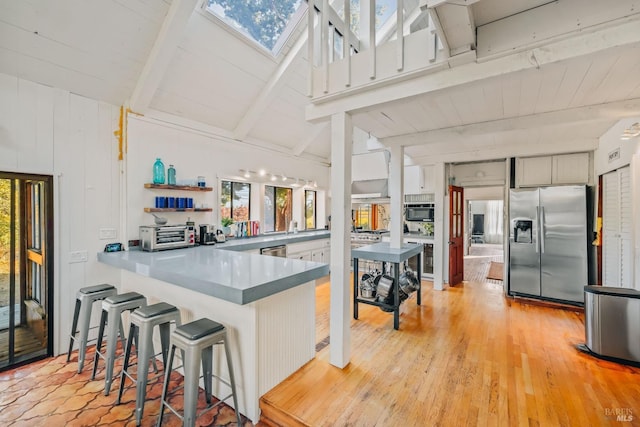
x,y
158,172
171,175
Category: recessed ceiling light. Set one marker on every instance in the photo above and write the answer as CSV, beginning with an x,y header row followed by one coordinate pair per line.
x,y
262,172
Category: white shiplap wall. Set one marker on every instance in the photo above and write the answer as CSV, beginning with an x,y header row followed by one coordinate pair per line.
x,y
201,152
53,132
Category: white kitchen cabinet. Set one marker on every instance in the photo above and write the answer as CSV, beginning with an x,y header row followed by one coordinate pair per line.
x,y
312,250
413,179
553,170
428,179
419,179
570,169
317,255
533,171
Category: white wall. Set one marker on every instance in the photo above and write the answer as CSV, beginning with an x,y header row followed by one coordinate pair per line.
x,y
50,131
53,132
606,160
195,153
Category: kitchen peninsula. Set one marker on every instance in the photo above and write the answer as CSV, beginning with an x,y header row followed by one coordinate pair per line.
x,y
267,303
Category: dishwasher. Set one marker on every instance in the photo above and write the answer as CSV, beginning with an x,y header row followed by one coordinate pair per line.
x,y
279,251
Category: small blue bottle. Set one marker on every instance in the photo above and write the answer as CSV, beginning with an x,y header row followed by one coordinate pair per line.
x,y
158,172
171,175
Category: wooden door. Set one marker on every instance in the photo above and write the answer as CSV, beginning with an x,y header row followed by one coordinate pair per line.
x,y
456,244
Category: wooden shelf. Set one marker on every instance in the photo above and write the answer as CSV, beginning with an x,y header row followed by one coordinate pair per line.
x,y
177,187
148,210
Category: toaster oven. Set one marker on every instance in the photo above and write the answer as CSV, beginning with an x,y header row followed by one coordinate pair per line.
x,y
161,237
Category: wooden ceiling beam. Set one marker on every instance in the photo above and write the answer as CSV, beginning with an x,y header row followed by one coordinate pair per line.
x,y
607,111
161,53
317,130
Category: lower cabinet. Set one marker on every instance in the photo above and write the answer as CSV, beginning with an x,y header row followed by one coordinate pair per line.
x,y
313,250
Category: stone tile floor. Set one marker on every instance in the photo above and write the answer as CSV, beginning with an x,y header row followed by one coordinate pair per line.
x,y
51,393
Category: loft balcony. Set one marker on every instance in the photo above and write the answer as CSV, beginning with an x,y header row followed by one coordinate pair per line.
x,y
385,46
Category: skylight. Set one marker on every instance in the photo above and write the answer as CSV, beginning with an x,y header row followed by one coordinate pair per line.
x,y
384,10
268,23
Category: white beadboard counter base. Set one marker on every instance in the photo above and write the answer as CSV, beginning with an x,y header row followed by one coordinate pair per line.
x,y
266,303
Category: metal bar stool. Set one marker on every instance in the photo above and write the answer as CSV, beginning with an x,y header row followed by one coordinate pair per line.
x,y
85,298
143,320
196,340
112,309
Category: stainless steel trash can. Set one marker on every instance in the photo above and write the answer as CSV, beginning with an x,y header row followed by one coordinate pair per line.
x,y
612,322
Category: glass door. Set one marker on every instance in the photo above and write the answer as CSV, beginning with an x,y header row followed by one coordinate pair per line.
x,y
25,268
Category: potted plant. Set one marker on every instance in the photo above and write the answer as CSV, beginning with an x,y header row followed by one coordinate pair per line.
x,y
226,222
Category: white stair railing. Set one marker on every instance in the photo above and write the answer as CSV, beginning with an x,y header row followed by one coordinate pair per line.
x,y
340,60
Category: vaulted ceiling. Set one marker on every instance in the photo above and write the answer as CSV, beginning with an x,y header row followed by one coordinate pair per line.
x,y
174,58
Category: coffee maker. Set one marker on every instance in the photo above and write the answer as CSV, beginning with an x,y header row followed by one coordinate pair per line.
x,y
207,234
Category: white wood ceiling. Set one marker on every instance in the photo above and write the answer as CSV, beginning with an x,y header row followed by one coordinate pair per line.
x,y
217,78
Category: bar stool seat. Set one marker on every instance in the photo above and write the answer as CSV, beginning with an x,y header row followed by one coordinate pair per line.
x,y
81,323
143,320
196,340
112,309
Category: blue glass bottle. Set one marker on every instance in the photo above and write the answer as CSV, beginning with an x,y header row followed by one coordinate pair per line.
x,y
171,175
158,172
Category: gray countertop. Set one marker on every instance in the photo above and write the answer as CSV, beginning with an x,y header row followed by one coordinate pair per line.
x,y
382,252
417,235
222,271
266,240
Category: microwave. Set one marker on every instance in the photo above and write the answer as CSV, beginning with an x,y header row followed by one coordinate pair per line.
x,y
419,212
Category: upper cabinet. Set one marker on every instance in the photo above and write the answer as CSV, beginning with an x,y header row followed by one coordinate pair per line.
x,y
419,179
553,170
413,179
533,171
570,169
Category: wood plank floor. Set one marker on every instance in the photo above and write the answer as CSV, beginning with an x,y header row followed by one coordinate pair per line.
x,y
26,344
467,356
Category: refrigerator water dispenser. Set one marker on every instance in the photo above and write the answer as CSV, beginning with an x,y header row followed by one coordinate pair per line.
x,y
522,231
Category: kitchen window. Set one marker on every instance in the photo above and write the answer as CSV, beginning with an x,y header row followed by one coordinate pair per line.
x,y
309,209
234,200
277,208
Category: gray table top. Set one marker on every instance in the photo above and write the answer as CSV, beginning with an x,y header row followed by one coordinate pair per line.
x,y
383,252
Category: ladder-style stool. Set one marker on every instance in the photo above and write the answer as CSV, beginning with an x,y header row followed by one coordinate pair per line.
x,y
81,323
143,320
112,309
196,340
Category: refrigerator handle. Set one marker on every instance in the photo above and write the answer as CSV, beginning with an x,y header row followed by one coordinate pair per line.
x,y
541,225
538,227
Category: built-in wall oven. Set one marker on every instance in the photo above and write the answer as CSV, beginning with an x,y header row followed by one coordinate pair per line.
x,y
422,212
426,260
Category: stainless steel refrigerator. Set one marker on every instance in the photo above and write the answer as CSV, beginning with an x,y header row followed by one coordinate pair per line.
x,y
548,242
